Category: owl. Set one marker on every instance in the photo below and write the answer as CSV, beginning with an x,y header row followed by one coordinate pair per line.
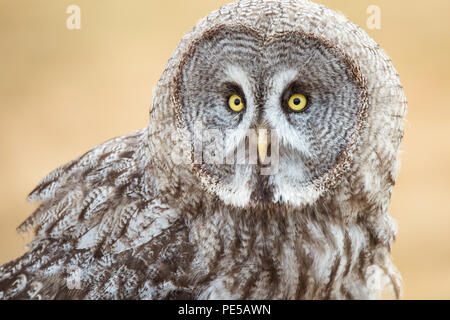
x,y
265,172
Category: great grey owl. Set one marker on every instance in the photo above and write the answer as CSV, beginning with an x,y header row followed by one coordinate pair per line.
x,y
183,209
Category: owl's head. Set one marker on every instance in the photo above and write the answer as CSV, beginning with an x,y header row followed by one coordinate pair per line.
x,y
276,100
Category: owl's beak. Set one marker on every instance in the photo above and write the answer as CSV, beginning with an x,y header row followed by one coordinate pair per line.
x,y
263,144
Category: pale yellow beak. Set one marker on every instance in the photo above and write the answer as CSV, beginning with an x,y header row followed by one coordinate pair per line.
x,y
263,144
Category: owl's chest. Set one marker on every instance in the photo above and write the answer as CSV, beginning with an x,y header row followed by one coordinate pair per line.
x,y
253,278
267,267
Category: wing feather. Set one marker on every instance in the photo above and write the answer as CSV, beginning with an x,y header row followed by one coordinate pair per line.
x,y
96,213
103,196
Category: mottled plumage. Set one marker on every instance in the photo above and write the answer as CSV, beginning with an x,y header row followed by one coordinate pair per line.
x,y
138,217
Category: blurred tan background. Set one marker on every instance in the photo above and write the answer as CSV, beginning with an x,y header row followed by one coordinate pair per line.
x,y
63,92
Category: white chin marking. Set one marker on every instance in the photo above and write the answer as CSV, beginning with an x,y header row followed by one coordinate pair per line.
x,y
238,192
295,196
239,198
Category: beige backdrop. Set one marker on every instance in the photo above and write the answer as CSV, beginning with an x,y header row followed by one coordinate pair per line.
x,y
63,92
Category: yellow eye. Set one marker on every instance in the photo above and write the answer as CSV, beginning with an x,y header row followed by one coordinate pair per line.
x,y
235,102
297,102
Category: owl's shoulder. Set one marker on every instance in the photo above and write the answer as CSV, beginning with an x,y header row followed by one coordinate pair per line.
x,y
104,199
99,215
